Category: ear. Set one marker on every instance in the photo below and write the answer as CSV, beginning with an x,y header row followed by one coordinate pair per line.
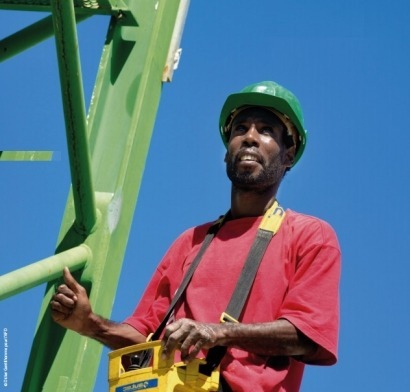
x,y
289,157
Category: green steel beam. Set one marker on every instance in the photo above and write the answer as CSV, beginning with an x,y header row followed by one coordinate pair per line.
x,y
120,123
29,36
74,113
117,8
32,156
43,271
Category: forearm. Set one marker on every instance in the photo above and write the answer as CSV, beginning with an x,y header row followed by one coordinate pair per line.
x,y
111,334
278,338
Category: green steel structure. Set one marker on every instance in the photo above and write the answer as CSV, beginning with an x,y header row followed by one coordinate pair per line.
x,y
107,152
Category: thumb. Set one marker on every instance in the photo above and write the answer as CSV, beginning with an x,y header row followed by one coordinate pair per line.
x,y
70,281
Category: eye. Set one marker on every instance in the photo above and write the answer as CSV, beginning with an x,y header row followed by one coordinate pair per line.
x,y
239,128
266,130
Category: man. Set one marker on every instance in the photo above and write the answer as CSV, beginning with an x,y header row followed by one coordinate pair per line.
x,y
291,315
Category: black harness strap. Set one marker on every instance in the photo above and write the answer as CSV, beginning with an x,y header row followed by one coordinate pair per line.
x,y
248,273
239,296
187,278
143,359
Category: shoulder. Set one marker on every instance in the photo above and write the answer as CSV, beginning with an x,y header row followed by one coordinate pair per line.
x,y
193,235
309,228
182,246
303,220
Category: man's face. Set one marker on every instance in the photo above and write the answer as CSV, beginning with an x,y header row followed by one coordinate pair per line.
x,y
257,158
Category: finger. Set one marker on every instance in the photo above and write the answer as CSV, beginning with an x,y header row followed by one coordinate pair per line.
x,y
191,355
200,337
171,328
64,290
70,281
173,335
194,342
190,347
65,300
58,316
171,343
58,307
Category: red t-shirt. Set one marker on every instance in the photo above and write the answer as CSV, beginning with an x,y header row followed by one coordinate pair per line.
x,y
298,280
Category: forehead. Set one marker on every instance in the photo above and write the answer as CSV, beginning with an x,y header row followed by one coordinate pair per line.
x,y
258,114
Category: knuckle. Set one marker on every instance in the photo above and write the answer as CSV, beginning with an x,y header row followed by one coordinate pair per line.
x,y
168,331
54,305
81,289
172,340
61,298
185,322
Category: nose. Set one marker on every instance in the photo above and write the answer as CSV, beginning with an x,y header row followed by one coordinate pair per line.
x,y
251,137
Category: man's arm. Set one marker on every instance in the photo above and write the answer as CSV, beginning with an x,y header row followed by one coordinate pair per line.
x,y
71,308
277,338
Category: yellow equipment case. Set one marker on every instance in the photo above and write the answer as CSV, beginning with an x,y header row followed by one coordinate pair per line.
x,y
161,375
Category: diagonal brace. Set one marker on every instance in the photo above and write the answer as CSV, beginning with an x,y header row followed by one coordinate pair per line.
x,y
28,37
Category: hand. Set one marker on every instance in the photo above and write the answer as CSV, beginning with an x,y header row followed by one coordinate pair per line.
x,y
70,306
190,337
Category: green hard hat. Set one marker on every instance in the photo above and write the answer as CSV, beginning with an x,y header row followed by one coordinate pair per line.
x,y
271,95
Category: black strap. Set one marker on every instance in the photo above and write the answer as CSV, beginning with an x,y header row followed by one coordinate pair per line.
x,y
223,385
240,295
208,238
250,268
144,358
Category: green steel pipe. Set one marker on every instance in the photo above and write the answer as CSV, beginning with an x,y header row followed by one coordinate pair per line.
x,y
43,271
28,156
74,114
29,36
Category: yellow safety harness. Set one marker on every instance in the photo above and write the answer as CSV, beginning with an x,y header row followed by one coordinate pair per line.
x,y
149,369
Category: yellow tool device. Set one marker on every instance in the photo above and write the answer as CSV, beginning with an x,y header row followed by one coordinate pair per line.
x,y
161,375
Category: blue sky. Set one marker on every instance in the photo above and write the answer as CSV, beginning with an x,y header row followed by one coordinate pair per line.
x,y
348,63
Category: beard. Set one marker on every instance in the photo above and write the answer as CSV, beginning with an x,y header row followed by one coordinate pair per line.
x,y
251,181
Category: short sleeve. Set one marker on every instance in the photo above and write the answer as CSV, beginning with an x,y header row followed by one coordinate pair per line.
x,y
312,301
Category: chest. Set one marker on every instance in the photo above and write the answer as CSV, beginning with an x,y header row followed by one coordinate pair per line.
x,y
216,276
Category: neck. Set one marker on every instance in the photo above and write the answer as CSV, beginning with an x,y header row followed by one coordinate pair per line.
x,y
250,203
